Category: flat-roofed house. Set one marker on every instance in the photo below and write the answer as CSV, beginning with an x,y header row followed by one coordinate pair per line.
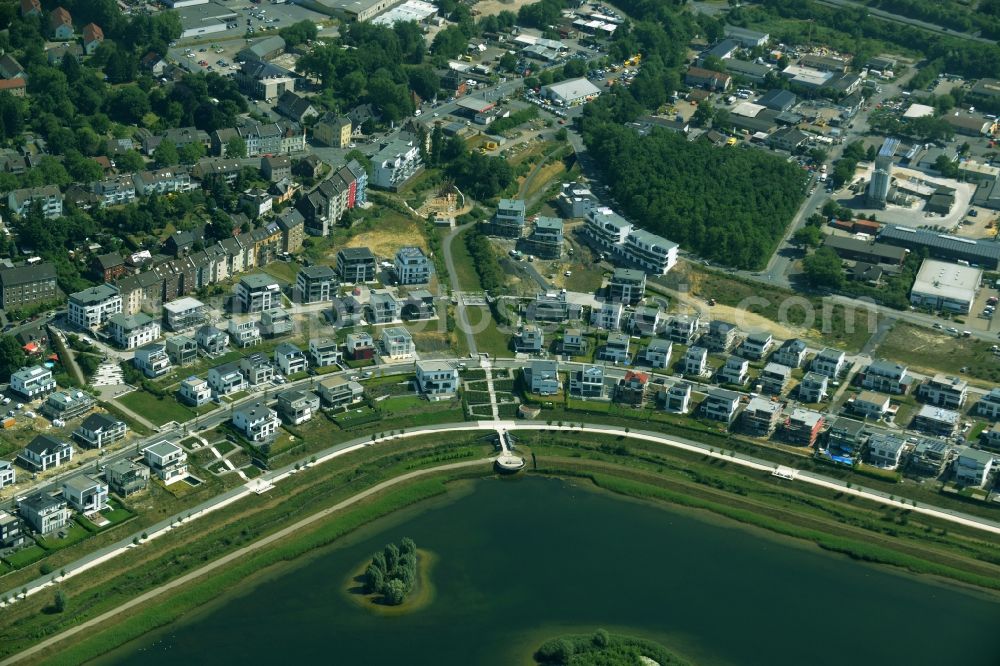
x,y
126,477
167,461
85,493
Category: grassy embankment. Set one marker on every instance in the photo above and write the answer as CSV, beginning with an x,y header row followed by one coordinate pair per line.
x,y
713,434
190,546
861,529
639,469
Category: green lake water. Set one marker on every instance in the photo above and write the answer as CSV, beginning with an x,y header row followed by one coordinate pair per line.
x,y
521,560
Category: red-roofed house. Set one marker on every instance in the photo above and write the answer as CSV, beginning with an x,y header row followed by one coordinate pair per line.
x,y
15,87
60,24
92,37
632,387
31,8
708,79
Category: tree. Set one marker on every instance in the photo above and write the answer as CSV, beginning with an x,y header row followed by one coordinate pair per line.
x,y
130,161
424,81
374,579
703,114
946,166
808,236
59,603
394,592
236,147
11,355
191,152
298,33
166,154
714,63
823,268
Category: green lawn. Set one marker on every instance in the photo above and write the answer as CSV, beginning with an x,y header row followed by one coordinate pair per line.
x,y
492,340
402,403
74,534
467,279
25,556
286,271
157,410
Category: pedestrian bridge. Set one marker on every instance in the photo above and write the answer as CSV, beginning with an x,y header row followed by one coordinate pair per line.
x,y
507,461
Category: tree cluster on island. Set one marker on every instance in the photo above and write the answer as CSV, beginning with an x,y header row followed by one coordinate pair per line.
x,y
392,572
604,649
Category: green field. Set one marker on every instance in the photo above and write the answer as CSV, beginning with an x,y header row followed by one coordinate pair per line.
x,y
157,410
467,279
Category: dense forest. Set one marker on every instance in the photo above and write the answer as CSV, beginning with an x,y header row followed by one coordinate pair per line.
x,y
728,205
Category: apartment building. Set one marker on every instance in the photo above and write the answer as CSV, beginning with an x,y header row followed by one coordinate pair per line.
x,y
627,285
28,284
91,308
131,331
257,292
315,284
412,266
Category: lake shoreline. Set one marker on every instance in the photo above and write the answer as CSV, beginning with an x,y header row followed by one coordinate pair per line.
x,y
266,572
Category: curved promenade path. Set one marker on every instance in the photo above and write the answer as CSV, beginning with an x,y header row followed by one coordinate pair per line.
x,y
265,482
234,556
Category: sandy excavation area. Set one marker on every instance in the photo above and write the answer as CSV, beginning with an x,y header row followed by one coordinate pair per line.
x,y
493,7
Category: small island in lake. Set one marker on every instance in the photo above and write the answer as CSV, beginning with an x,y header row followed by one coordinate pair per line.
x,y
396,580
606,650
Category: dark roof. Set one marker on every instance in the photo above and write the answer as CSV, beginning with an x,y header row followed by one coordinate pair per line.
x,y
43,443
12,277
905,236
356,253
780,100
110,260
723,48
98,421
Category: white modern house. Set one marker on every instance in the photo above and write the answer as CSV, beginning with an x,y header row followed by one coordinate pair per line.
x,y
131,331
195,391
437,380
33,382
45,452
324,352
167,461
85,493
99,430
290,359
256,421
